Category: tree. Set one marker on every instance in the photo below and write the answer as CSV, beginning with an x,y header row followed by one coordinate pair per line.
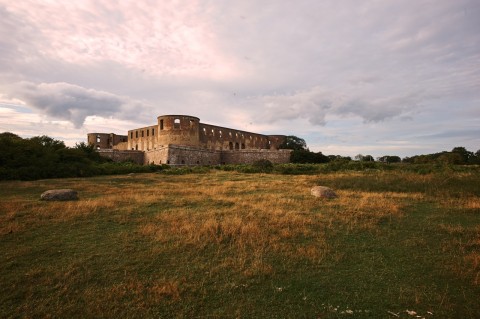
x,y
306,156
464,154
359,157
389,159
292,142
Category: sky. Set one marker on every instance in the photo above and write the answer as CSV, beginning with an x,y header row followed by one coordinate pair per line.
x,y
399,77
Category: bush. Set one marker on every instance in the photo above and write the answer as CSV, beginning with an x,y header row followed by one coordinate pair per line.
x,y
263,166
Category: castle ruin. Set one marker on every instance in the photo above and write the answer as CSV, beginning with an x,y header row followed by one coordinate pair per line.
x,y
184,140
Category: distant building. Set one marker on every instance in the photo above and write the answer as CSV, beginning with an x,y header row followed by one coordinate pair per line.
x,y
183,140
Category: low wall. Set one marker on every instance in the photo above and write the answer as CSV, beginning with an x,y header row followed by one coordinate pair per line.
x,y
123,156
251,156
184,155
157,157
178,155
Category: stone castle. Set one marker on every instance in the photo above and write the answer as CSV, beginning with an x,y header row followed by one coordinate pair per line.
x,y
184,140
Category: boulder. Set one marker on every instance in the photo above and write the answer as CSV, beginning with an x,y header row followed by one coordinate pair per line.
x,y
322,191
59,194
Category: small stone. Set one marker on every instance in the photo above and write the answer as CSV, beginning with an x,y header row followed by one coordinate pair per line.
x,y
59,195
322,191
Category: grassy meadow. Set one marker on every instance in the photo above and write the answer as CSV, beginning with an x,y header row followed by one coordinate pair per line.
x,y
223,244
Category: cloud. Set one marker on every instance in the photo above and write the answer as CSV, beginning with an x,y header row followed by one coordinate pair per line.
x,y
72,102
316,103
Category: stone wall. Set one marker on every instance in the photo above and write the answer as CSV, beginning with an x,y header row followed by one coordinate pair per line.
x,y
123,156
105,140
221,138
251,156
178,155
143,139
123,146
183,155
157,157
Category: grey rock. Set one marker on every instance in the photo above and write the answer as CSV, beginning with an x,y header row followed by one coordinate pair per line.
x,y
59,195
322,191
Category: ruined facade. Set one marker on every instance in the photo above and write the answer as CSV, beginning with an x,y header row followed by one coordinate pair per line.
x,y
183,139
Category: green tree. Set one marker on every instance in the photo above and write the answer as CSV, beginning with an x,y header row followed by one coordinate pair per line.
x,y
464,154
389,159
306,156
292,142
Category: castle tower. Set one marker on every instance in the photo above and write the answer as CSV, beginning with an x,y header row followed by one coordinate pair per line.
x,y
178,130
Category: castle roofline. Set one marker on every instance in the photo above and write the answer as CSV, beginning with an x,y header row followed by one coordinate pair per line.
x,y
178,115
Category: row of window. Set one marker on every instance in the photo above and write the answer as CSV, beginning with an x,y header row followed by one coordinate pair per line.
x,y
230,134
142,133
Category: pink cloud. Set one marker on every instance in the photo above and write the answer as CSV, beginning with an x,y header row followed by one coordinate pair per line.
x,y
161,38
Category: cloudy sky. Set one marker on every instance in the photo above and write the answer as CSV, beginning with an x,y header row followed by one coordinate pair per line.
x,y
398,77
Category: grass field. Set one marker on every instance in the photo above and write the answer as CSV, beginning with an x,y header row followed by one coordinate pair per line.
x,y
230,245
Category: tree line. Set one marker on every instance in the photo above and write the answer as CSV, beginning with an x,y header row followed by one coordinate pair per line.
x,y
301,154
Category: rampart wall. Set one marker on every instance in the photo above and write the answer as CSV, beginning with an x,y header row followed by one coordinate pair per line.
x,y
184,155
251,156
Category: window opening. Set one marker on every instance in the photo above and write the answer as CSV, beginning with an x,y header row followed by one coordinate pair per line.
x,y
148,133
136,134
176,123
230,145
243,146
98,138
161,124
142,133
237,146
131,134
153,131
